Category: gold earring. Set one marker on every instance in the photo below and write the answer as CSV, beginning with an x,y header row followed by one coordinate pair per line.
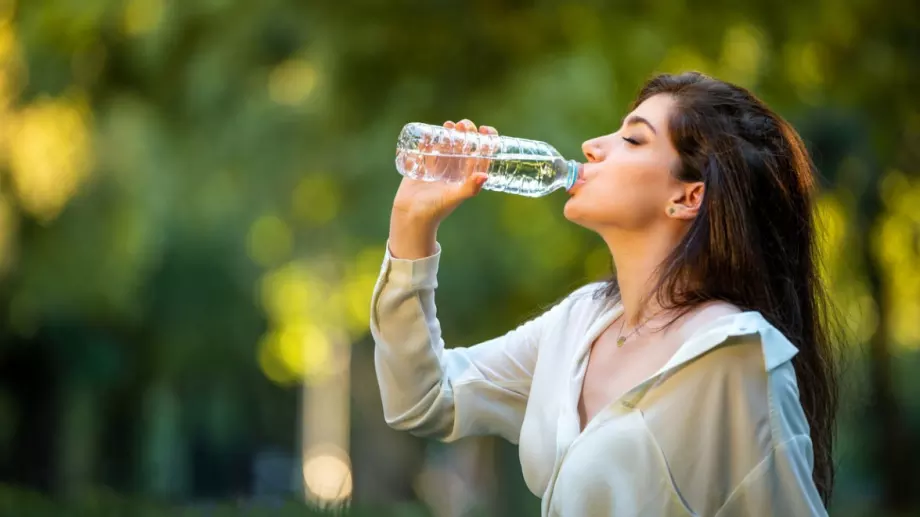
x,y
672,210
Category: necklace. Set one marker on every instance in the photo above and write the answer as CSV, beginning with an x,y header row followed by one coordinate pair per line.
x,y
621,340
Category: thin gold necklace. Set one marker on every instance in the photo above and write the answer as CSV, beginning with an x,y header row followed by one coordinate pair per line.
x,y
621,340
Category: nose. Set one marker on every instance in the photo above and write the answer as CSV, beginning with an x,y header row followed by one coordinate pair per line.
x,y
592,150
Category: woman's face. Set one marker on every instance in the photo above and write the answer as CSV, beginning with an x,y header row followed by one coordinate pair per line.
x,y
628,180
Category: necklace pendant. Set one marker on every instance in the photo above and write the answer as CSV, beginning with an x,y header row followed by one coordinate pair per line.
x,y
620,341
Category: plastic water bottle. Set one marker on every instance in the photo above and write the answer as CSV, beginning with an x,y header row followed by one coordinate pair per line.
x,y
514,165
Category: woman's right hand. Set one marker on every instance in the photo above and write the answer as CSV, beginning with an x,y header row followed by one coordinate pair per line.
x,y
433,201
420,206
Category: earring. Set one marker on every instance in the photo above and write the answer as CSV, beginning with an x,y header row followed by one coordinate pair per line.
x,y
671,210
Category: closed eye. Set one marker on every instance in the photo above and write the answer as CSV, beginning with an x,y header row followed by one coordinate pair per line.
x,y
631,141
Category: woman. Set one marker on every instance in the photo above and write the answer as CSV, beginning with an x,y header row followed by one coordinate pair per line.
x,y
698,380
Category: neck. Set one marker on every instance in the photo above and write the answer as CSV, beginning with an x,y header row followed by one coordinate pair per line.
x,y
637,257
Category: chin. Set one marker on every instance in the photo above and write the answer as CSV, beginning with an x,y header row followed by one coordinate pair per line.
x,y
573,212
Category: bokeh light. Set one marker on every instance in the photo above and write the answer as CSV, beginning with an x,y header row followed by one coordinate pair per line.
x,y
327,474
897,243
316,199
269,240
742,54
142,16
291,82
50,154
194,203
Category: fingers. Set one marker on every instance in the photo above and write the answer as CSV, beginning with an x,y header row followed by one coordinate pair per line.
x,y
463,144
469,126
471,167
488,147
466,125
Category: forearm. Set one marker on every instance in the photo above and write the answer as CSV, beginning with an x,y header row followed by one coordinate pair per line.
x,y
412,237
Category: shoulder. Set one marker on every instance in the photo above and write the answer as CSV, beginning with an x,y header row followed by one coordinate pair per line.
x,y
587,301
713,332
592,291
738,350
573,311
707,314
580,299
754,358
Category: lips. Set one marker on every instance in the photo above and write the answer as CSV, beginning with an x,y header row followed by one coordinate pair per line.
x,y
579,179
576,186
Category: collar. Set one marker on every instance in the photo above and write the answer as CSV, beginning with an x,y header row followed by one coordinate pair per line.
x,y
777,349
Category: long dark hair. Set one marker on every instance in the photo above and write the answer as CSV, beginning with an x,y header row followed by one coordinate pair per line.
x,y
753,243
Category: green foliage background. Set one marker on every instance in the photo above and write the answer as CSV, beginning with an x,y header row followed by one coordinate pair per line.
x,y
186,187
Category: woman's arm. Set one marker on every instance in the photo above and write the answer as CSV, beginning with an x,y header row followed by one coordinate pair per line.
x,y
732,430
780,485
438,392
425,388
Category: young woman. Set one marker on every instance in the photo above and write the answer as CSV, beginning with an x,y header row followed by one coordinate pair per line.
x,y
698,380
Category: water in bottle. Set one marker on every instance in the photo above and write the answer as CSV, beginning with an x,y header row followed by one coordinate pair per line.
x,y
514,165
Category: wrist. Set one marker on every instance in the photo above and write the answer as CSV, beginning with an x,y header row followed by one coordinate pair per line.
x,y
412,237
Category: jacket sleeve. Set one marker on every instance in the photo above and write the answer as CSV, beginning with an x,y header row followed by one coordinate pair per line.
x,y
445,393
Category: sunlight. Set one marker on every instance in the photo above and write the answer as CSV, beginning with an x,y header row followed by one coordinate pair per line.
x,y
50,154
291,82
142,16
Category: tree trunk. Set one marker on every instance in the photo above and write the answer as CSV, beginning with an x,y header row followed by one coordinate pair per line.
x,y
890,431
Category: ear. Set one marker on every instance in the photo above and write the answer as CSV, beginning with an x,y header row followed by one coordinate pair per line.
x,y
686,203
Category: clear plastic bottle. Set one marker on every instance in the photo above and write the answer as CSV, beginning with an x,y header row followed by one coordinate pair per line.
x,y
514,165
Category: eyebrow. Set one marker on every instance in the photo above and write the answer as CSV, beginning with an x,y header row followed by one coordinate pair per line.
x,y
636,119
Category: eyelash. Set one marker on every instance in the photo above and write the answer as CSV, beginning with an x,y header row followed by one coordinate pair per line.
x,y
631,140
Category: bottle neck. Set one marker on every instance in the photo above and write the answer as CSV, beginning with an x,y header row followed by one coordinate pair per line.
x,y
571,174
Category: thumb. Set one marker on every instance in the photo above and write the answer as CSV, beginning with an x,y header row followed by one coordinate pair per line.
x,y
473,184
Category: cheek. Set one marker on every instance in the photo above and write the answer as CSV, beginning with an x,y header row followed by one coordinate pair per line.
x,y
628,192
639,171
635,182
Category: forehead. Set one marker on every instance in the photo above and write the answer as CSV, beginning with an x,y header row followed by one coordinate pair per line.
x,y
656,109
